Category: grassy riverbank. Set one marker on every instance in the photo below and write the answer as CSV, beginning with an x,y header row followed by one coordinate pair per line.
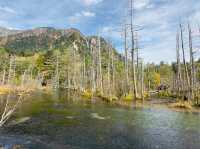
x,y
124,101
155,101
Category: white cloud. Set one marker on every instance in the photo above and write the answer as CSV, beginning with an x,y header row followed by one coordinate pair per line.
x,y
140,4
195,16
110,32
78,17
159,19
158,38
91,2
88,14
7,10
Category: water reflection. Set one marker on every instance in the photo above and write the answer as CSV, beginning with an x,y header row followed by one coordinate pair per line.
x,y
63,120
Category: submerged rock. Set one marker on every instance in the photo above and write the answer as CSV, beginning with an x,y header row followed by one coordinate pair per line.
x,y
69,117
97,116
20,120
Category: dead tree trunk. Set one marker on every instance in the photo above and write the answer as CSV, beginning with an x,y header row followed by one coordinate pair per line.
x,y
137,55
3,77
113,70
184,62
142,80
100,66
56,79
148,77
192,67
109,82
9,109
23,81
13,69
133,52
68,78
93,72
74,77
10,72
84,79
179,79
126,60
138,77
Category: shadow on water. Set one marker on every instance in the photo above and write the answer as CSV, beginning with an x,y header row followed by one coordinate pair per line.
x,y
63,120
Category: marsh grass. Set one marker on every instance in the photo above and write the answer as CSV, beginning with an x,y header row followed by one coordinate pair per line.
x,y
182,105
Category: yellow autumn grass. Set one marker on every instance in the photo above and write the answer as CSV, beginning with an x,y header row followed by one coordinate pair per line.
x,y
4,90
182,105
87,94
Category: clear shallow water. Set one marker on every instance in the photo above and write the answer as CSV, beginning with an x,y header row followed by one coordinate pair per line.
x,y
61,121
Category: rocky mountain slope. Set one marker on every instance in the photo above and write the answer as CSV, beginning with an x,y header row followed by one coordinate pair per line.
x,y
28,42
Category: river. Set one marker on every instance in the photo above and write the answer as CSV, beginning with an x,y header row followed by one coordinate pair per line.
x,y
63,121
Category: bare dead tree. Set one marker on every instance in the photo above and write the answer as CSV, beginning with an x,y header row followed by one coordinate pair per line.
x,y
93,71
192,67
3,77
126,59
184,60
9,109
137,54
100,65
142,80
11,70
56,79
148,78
109,70
24,76
138,71
133,52
179,78
84,69
74,65
113,69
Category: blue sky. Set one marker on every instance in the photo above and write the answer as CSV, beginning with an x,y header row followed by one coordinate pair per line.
x,y
158,18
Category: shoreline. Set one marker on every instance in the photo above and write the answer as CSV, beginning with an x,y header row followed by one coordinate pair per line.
x,y
152,102
168,103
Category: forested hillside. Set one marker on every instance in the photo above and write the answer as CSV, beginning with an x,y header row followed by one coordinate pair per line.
x,y
65,58
28,42
60,58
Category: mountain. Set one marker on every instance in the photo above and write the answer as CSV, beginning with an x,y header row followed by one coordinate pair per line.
x,y
27,42
43,39
45,47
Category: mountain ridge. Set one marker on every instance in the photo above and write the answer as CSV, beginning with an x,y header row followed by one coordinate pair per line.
x,y
41,38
